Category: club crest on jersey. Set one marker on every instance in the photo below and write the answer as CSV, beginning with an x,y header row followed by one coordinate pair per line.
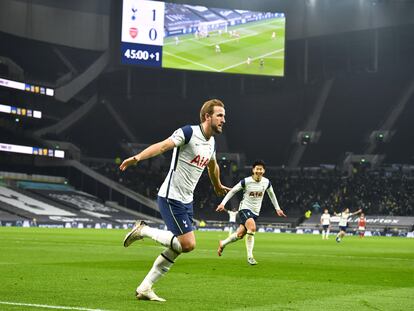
x,y
200,161
255,194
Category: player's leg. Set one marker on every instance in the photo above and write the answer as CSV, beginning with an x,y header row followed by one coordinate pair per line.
x,y
230,228
327,233
338,236
251,230
164,262
141,230
239,234
178,218
164,237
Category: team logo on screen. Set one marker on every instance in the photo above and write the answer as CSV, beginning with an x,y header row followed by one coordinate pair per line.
x,y
133,32
134,10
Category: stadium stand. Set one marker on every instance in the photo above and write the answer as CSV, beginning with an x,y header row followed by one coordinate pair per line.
x,y
59,204
388,191
178,18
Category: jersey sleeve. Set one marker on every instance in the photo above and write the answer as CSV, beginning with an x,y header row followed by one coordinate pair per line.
x,y
272,197
231,193
182,135
213,156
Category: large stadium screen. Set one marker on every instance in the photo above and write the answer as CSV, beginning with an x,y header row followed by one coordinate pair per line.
x,y
189,37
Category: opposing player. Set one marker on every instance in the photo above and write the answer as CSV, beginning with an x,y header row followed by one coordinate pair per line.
x,y
362,222
194,149
249,209
343,222
326,224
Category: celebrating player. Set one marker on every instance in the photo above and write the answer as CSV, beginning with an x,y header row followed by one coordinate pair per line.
x,y
249,209
194,149
343,222
326,224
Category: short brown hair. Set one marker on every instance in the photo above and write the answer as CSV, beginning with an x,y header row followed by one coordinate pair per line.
x,y
208,107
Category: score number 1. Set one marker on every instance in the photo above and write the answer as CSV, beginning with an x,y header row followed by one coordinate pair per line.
x,y
153,32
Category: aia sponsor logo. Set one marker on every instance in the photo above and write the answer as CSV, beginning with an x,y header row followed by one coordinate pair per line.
x,y
133,32
255,194
200,161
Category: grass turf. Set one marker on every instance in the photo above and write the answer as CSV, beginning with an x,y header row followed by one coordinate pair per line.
x,y
88,268
255,42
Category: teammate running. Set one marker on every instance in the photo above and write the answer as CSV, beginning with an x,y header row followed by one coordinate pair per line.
x,y
253,191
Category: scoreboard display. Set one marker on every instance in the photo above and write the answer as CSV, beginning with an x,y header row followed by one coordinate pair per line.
x,y
188,37
142,32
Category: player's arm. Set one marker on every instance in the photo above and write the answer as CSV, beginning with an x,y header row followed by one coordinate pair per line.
x,y
228,196
214,174
357,212
149,152
273,198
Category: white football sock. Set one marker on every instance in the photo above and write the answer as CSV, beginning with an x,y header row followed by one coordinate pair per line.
x,y
232,238
327,234
160,267
163,237
249,244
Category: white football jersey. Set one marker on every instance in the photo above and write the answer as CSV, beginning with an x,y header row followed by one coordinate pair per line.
x,y
253,194
191,155
343,219
326,219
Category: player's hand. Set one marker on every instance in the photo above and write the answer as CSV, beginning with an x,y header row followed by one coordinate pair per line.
x,y
127,162
221,190
220,208
280,213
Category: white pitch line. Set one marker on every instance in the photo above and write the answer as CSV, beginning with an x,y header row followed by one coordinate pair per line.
x,y
191,62
47,306
254,58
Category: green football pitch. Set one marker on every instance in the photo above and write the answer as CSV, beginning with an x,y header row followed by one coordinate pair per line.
x,y
255,41
86,269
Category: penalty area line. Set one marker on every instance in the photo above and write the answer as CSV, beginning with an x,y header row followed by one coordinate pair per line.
x,y
33,305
